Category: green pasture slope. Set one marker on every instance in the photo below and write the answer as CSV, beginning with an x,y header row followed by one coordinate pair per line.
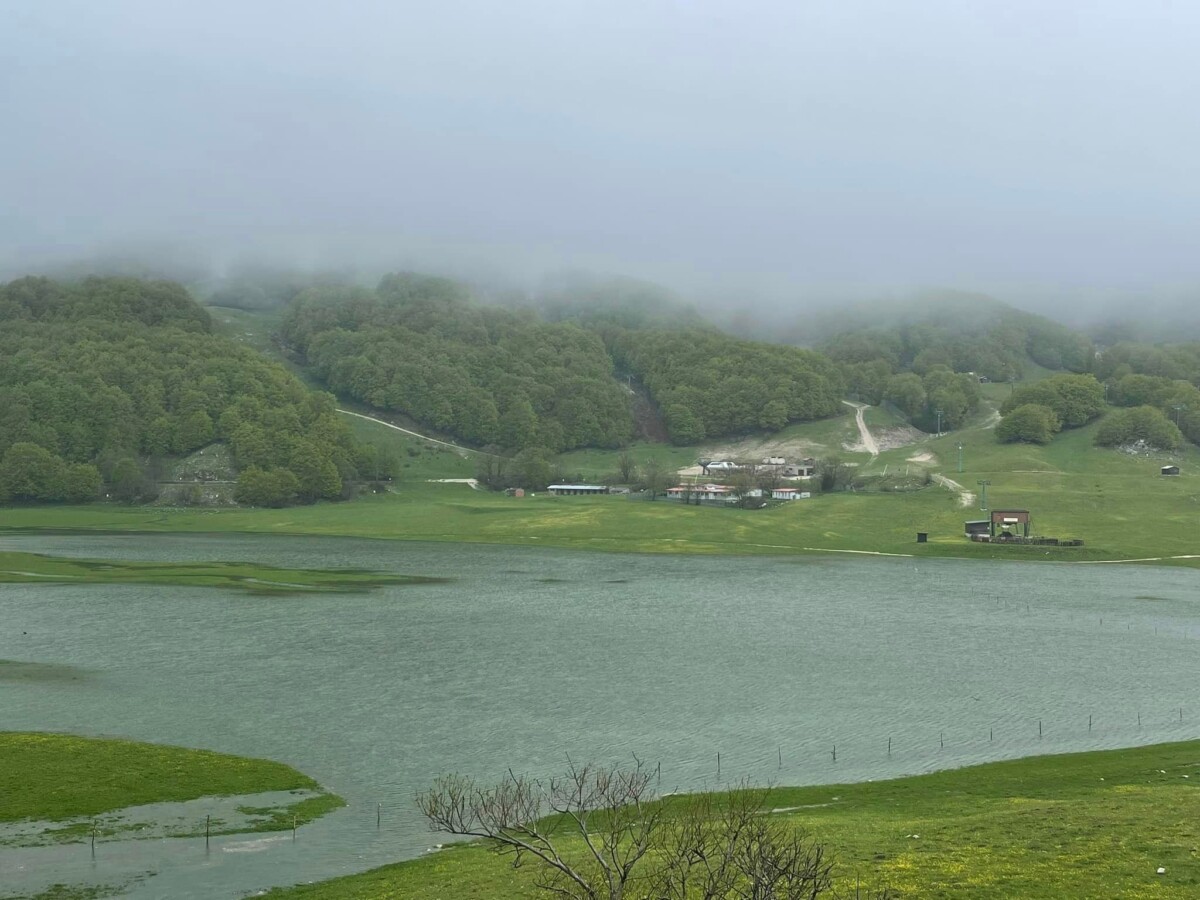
x,y
1096,824
52,777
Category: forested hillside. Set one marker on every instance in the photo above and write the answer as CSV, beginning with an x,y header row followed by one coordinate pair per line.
x,y
709,384
963,332
488,375
493,375
100,378
932,353
1163,376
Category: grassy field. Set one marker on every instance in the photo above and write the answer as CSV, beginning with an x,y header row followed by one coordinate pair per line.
x,y
53,777
419,460
1117,504
34,568
1081,825
593,464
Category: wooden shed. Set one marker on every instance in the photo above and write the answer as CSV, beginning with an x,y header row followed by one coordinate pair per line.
x,y
1169,470
1010,521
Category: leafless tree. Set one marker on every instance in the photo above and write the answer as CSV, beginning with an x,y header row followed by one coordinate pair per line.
x,y
610,809
592,828
726,846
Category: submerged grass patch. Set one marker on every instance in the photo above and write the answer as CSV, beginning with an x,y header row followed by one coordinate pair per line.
x,y
13,670
58,777
258,579
1095,824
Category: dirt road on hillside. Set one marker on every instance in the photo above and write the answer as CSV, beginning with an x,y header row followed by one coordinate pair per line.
x,y
464,451
965,497
864,433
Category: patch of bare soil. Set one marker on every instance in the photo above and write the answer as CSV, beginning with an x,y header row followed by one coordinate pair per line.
x,y
755,448
897,436
648,421
965,498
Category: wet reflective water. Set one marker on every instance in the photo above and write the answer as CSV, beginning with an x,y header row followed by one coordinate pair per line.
x,y
529,655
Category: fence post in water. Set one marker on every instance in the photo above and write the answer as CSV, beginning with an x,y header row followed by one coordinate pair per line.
x,y
718,763
207,821
942,739
1039,728
658,772
1139,718
1089,724
378,815
889,746
293,828
780,756
93,837
991,734
835,752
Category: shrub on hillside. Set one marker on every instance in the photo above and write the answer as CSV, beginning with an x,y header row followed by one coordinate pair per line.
x,y
1141,423
1075,399
1028,424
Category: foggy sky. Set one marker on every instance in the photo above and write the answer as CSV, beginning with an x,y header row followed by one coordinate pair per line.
x,y
850,142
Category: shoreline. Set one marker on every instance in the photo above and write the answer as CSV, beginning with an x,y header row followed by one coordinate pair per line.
x,y
681,547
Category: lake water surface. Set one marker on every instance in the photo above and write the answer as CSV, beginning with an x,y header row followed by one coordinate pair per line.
x,y
530,655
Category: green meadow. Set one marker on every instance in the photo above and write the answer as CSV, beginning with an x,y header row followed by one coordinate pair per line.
x,y
37,568
1117,504
1096,824
54,777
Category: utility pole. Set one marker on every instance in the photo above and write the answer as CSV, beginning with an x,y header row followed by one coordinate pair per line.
x,y
960,456
939,415
983,494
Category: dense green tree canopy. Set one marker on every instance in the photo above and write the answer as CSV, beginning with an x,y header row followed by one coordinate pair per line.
x,y
126,370
488,375
1075,399
709,384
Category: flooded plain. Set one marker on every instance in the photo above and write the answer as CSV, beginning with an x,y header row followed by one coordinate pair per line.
x,y
529,655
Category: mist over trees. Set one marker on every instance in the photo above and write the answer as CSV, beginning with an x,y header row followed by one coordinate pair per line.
x,y
104,376
961,332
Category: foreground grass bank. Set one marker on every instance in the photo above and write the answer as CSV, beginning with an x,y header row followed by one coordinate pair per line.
x,y
1094,824
55,777
39,568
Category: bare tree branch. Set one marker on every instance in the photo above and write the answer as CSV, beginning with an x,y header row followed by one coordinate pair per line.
x,y
622,842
